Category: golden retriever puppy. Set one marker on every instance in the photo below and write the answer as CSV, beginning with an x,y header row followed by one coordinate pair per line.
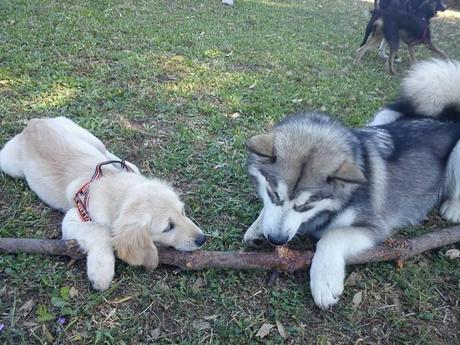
x,y
109,205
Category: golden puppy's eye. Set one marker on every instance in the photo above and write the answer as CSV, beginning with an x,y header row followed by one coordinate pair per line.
x,y
170,227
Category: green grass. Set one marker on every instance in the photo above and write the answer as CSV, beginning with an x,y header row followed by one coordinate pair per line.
x,y
177,87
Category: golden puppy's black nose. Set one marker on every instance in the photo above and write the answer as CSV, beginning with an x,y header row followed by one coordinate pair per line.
x,y
200,240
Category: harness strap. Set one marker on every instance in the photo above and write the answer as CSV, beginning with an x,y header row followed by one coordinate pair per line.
x,y
81,198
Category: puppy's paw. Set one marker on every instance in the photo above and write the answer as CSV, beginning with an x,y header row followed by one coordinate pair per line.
x,y
326,280
101,278
450,210
100,270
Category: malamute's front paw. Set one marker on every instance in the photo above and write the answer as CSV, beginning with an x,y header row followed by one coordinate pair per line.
x,y
450,210
326,280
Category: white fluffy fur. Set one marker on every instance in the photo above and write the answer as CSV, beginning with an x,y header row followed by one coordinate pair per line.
x,y
274,217
255,231
450,208
130,212
327,272
432,85
385,116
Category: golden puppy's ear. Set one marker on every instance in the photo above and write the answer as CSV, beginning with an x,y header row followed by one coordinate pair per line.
x,y
134,245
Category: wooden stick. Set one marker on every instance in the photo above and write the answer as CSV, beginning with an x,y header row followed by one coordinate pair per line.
x,y
282,259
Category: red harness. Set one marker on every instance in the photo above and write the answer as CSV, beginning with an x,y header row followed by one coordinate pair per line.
x,y
81,198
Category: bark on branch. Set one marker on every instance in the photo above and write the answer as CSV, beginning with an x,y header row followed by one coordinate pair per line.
x,y
283,259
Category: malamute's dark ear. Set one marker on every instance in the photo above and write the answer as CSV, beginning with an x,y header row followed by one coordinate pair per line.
x,y
348,172
261,145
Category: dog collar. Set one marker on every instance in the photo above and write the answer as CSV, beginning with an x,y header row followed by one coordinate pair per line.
x,y
81,198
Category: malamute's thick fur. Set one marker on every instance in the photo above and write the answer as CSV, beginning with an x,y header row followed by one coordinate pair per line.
x,y
351,188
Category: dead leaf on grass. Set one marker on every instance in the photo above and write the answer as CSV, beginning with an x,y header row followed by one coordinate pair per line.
x,y
47,333
155,334
210,317
264,330
122,299
30,324
281,330
198,284
201,325
399,264
73,292
26,307
353,279
357,298
452,254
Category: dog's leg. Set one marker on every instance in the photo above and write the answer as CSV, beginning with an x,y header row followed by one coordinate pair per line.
x,y
382,50
372,42
411,48
372,38
391,34
10,158
450,209
95,240
391,62
255,231
327,272
435,49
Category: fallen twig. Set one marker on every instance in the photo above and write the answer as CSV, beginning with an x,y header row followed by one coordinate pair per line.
x,y
283,259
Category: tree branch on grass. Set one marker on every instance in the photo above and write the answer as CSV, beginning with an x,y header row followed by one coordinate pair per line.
x,y
282,259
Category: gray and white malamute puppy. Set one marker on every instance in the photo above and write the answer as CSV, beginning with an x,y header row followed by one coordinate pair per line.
x,y
351,188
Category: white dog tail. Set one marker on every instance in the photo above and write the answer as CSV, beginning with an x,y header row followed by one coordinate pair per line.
x,y
431,88
433,85
10,158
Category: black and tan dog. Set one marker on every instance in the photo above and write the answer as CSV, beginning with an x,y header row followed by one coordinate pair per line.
x,y
406,21
382,5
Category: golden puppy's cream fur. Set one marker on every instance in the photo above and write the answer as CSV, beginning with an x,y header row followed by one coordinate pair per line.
x,y
130,213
